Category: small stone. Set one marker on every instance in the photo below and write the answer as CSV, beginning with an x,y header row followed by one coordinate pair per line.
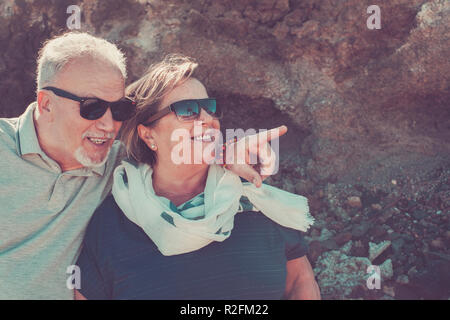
x,y
379,231
315,250
358,249
419,214
360,230
357,219
389,291
385,216
412,271
343,238
438,243
315,233
329,244
376,249
280,31
304,187
412,260
397,245
447,235
288,186
338,226
346,248
325,234
386,270
341,214
424,223
315,204
354,202
402,279
376,206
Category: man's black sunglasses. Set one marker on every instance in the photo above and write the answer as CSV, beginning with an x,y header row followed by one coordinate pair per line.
x,y
94,108
188,110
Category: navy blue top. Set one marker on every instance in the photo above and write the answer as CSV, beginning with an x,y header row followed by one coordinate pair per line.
x,y
119,261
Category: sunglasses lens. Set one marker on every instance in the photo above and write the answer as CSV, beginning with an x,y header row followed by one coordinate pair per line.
x,y
210,106
93,109
123,110
186,110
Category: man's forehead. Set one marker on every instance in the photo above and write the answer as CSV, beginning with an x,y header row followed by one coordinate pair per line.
x,y
92,78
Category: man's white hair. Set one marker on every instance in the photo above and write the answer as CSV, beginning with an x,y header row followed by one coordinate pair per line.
x,y
57,52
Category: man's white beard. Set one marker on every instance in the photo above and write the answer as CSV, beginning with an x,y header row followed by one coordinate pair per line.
x,y
83,158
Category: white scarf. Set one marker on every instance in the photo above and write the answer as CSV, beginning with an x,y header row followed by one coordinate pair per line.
x,y
174,234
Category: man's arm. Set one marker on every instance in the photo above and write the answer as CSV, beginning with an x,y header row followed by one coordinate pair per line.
x,y
300,281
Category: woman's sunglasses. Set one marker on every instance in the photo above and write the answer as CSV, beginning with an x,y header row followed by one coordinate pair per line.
x,y
94,108
188,110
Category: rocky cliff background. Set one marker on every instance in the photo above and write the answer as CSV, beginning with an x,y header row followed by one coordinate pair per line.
x,y
368,112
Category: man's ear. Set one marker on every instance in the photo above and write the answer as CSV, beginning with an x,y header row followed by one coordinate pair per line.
x,y
43,101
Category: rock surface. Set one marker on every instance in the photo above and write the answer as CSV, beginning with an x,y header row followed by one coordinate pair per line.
x,y
361,104
376,249
340,275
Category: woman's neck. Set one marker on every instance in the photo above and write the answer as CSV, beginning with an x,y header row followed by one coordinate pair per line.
x,y
179,183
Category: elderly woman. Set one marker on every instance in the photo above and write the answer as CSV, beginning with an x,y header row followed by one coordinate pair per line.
x,y
190,230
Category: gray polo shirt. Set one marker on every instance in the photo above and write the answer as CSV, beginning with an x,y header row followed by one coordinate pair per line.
x,y
43,212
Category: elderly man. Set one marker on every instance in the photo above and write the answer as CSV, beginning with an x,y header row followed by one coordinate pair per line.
x,y
56,164
57,161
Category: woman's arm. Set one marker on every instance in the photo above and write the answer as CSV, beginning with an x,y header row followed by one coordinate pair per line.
x,y
79,296
300,281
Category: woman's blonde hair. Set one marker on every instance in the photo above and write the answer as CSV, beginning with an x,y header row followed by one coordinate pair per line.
x,y
148,92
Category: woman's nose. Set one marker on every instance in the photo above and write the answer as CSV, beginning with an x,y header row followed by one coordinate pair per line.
x,y
205,117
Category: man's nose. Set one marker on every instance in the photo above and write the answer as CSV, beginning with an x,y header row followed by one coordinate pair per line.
x,y
106,122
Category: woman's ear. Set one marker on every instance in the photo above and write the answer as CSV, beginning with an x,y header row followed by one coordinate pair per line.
x,y
146,135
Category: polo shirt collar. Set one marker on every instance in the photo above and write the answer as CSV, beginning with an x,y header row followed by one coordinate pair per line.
x,y
28,143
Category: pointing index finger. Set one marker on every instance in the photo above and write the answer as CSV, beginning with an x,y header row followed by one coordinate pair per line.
x,y
271,134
